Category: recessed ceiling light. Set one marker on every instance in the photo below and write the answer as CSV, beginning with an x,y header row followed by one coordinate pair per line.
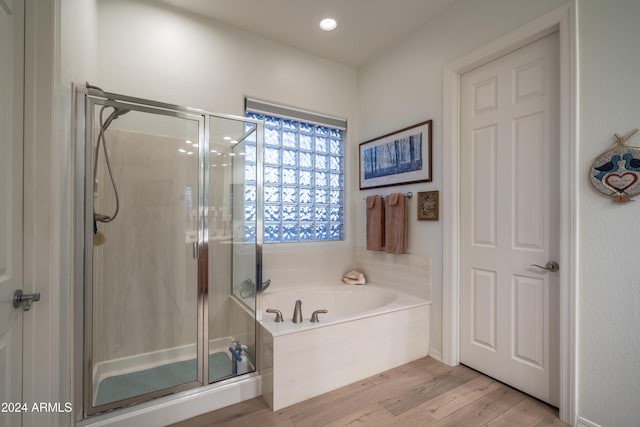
x,y
328,24
227,138
181,150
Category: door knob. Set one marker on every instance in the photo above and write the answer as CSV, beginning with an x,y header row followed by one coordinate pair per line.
x,y
20,298
551,266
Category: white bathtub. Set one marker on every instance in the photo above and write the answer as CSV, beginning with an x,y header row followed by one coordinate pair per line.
x,y
367,330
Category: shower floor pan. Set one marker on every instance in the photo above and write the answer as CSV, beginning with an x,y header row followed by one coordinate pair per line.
x,y
124,386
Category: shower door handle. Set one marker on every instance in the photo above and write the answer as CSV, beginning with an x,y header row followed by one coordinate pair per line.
x,y
194,250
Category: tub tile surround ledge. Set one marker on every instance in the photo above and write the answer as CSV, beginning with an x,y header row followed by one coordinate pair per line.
x,y
319,265
305,264
405,273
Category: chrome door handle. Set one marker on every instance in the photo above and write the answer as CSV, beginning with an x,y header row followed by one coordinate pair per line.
x,y
24,300
551,266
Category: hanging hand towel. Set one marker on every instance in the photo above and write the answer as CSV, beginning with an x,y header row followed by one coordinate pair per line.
x,y
395,224
375,223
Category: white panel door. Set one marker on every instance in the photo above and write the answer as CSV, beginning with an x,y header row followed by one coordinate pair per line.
x,y
510,219
11,52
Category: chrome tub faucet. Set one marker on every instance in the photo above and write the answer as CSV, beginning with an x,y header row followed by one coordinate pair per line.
x,y
314,316
278,314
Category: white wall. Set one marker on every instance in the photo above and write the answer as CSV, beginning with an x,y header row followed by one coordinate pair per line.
x,y
609,281
157,52
404,86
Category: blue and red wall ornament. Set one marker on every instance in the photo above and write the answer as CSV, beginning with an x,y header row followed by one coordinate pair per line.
x,y
616,172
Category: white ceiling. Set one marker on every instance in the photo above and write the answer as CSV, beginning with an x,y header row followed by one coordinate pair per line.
x,y
365,27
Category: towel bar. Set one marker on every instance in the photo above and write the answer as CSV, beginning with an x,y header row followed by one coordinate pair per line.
x,y
409,195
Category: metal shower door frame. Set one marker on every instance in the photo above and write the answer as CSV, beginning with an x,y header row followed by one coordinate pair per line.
x,y
84,102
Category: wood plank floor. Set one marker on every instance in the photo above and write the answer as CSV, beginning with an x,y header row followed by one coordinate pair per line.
x,y
420,393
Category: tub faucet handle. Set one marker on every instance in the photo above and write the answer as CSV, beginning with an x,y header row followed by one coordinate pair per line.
x,y
278,314
297,312
314,316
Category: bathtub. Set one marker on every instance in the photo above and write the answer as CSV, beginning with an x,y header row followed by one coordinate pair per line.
x,y
368,329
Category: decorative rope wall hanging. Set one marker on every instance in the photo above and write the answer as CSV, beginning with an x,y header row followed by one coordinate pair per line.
x,y
616,172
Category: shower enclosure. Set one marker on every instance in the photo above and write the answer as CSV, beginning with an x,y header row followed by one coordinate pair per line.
x,y
168,265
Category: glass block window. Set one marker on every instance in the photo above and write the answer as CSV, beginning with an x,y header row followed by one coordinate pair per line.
x,y
303,181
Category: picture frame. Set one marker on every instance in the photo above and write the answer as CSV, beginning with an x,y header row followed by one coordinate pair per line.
x,y
428,205
397,158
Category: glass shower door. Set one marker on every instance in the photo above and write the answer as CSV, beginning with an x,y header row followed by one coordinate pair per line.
x,y
144,301
233,267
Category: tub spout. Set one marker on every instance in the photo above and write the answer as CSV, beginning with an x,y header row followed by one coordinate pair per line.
x,y
297,312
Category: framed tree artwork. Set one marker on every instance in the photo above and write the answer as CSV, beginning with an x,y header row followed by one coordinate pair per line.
x,y
400,157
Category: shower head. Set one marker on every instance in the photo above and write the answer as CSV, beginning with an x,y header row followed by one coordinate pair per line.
x,y
117,112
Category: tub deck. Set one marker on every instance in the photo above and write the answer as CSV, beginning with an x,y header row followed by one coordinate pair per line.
x,y
387,302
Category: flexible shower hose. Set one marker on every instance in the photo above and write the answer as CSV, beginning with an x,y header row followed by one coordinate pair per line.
x,y
104,124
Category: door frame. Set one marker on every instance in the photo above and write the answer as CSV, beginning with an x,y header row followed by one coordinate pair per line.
x,y
560,20
46,359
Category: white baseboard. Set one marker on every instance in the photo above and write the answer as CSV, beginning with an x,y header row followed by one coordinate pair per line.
x,y
435,354
583,422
